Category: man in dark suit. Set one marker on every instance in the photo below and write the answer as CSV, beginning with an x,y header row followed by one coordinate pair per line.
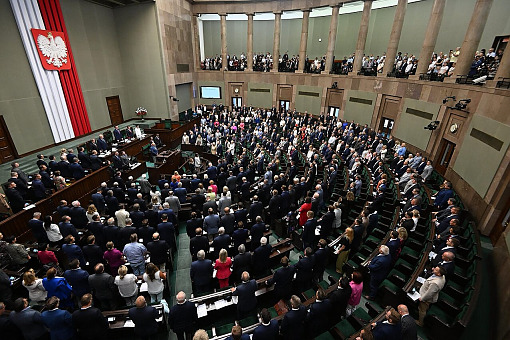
x,y
241,214
76,169
389,329
261,258
293,322
166,231
72,250
211,222
268,329
209,204
102,286
379,268
308,234
38,188
77,278
92,252
282,280
45,177
98,200
256,208
339,299
84,158
393,244
183,317
59,322
199,242
136,215
159,251
407,323
222,241
201,273
78,215
240,235
37,227
117,134
247,302
320,257
95,162
241,263
192,224
16,201
304,271
101,144
64,167
197,201
257,231
228,221
29,321
144,318
317,319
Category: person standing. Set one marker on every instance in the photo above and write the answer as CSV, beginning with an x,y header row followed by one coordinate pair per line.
x,y
154,278
408,324
144,318
183,317
429,291
135,254
126,283
222,266
102,286
247,302
59,322
379,267
29,321
89,322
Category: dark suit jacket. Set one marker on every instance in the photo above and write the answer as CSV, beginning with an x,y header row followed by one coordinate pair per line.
x,y
145,320
246,296
60,323
73,251
79,281
309,231
93,254
317,319
78,217
39,189
282,280
256,209
85,160
221,242
192,225
266,332
166,231
77,171
320,257
183,317
90,324
379,268
261,259
339,298
99,202
293,324
37,227
304,269
386,331
30,323
159,251
241,263
102,285
201,272
257,231
198,243
409,330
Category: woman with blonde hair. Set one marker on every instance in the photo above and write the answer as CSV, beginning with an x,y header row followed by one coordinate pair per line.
x,y
126,283
343,249
91,211
213,186
416,218
36,292
402,236
222,266
59,181
154,278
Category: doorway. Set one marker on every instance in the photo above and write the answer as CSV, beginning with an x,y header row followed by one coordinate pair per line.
x,y
7,148
237,101
386,126
115,110
445,155
284,105
334,111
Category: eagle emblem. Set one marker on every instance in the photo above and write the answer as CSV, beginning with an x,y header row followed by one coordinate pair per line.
x,y
52,49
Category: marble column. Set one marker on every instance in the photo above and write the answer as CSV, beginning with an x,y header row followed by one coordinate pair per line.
x,y
472,38
224,62
196,42
362,36
276,40
429,43
396,31
332,39
304,40
249,42
504,66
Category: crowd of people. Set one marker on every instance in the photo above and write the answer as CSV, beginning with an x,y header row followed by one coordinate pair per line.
x,y
258,182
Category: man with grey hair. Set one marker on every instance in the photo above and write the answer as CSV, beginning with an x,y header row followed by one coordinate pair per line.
x,y
201,273
261,258
241,263
173,203
37,227
379,268
183,317
247,302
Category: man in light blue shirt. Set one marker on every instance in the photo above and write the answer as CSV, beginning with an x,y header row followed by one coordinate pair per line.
x,y
402,150
135,254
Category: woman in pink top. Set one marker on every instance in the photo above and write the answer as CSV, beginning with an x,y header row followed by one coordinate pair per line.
x,y
222,267
213,186
114,257
357,288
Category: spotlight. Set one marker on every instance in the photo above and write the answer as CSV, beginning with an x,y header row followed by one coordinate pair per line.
x,y
446,99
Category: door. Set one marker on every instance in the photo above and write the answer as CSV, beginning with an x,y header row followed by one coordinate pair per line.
x,y
386,126
7,148
501,223
445,155
284,105
115,110
237,102
334,111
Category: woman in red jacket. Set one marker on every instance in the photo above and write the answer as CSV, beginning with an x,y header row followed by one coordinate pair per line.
x,y
222,266
305,208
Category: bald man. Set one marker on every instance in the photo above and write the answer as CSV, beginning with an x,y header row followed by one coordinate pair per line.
x,y
144,318
183,317
408,324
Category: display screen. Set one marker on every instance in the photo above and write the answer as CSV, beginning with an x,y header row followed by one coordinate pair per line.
x,y
210,92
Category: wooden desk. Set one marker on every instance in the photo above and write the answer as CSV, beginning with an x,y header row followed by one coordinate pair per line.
x,y
119,319
173,161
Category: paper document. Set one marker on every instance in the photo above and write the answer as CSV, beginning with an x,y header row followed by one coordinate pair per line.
x,y
415,296
201,310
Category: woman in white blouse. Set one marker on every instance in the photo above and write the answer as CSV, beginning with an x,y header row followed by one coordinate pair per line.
x,y
126,283
36,292
154,279
52,231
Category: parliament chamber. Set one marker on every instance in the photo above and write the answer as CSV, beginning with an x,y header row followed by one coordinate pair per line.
x,y
277,169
